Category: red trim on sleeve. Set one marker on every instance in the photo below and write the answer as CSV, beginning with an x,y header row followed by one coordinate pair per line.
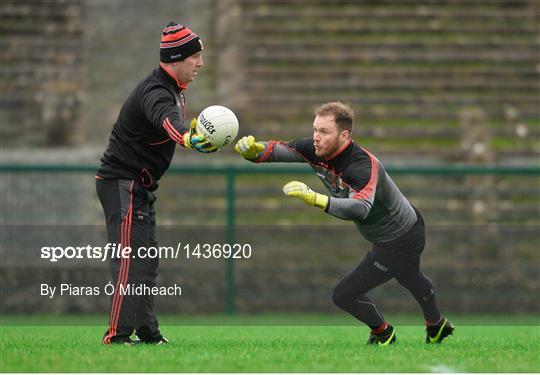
x,y
267,152
173,133
371,185
159,142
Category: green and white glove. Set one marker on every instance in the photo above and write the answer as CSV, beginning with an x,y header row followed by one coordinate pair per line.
x,y
300,190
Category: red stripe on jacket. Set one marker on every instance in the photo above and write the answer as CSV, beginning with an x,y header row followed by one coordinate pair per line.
x,y
267,152
372,183
173,133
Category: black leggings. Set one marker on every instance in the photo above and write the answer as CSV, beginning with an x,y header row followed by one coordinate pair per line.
x,y
399,258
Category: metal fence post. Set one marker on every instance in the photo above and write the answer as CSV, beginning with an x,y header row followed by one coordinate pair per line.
x,y
230,296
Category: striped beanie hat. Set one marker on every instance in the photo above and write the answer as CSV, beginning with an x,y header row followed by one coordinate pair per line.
x,y
178,42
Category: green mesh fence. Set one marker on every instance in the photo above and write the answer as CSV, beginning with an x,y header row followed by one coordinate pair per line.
x,y
482,238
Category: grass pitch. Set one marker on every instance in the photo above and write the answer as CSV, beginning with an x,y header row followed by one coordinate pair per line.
x,y
276,348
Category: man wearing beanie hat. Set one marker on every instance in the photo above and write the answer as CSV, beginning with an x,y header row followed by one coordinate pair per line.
x,y
151,123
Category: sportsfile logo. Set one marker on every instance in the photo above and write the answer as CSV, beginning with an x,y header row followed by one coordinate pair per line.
x,y
118,251
207,125
109,251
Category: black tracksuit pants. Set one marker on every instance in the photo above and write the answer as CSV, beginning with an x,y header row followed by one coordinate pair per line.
x,y
130,217
400,259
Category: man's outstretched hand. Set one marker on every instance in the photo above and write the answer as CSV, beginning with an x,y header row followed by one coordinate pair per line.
x,y
300,190
248,148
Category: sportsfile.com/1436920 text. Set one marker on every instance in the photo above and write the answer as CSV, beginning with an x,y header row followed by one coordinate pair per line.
x,y
116,250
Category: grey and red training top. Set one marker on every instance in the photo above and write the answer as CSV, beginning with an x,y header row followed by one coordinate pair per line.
x,y
148,128
360,188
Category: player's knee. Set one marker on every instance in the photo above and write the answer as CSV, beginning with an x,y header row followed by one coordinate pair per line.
x,y
340,297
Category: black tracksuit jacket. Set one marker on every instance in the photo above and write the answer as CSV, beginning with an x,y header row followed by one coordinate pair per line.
x,y
150,125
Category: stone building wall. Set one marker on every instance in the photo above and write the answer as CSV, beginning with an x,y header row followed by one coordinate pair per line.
x,y
40,81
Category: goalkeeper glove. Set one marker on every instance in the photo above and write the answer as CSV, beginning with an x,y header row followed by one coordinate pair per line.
x,y
300,190
248,148
197,141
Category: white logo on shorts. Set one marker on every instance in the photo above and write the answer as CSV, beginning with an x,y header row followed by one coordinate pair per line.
x,y
380,266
